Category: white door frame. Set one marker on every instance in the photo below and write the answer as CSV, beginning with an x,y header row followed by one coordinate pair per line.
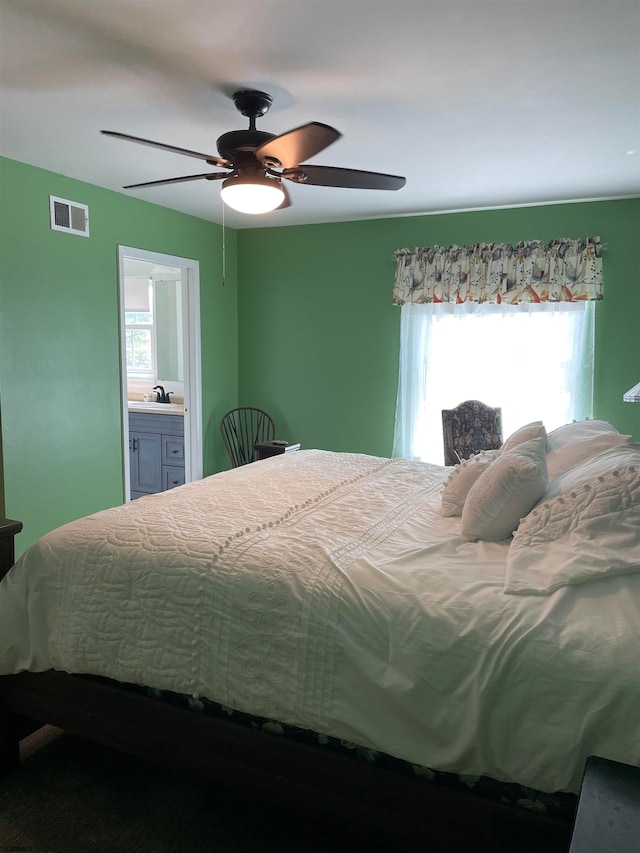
x,y
192,359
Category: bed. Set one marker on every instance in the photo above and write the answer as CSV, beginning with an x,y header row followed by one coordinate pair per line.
x,y
375,603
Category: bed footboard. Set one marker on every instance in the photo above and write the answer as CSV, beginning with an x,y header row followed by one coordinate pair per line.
x,y
287,774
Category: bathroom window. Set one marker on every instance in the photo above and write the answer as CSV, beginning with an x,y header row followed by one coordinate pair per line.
x,y
139,344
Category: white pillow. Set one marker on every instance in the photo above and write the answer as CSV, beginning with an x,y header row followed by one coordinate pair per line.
x,y
462,478
587,526
573,443
525,433
506,492
579,429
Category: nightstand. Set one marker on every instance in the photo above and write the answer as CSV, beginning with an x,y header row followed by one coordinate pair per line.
x,y
608,815
8,529
273,448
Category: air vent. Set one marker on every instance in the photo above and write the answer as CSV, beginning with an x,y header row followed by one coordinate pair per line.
x,y
69,216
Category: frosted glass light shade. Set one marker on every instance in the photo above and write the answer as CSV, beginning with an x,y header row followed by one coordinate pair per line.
x,y
252,195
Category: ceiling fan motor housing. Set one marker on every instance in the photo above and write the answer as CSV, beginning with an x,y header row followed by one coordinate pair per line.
x,y
233,143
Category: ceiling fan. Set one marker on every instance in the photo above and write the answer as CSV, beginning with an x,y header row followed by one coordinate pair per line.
x,y
257,162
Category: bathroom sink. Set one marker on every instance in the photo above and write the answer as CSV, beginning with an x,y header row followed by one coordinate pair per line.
x,y
167,408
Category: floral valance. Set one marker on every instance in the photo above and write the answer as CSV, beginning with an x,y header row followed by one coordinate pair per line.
x,y
560,271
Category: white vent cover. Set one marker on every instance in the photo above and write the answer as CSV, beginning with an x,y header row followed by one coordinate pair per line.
x,y
69,216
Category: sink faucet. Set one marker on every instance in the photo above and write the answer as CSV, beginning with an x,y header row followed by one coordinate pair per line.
x,y
161,396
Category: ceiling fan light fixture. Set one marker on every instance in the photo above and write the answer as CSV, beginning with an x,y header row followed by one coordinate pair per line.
x,y
253,194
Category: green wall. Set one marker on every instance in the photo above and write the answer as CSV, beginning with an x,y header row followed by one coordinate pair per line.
x,y
319,337
59,347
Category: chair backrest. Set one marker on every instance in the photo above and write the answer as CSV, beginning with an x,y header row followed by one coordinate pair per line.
x,y
469,428
242,428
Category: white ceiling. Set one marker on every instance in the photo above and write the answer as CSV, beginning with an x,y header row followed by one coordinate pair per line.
x,y
477,103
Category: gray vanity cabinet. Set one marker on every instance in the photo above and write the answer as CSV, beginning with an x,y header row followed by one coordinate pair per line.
x,y
156,453
144,463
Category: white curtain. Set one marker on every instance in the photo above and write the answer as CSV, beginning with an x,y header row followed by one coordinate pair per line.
x,y
535,361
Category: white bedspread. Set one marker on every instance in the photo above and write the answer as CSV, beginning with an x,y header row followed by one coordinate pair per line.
x,y
327,591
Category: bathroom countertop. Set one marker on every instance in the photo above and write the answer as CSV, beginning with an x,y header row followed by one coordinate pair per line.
x,y
139,406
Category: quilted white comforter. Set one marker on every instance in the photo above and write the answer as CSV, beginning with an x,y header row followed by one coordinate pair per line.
x,y
326,590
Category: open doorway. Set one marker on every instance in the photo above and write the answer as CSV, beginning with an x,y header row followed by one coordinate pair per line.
x,y
159,298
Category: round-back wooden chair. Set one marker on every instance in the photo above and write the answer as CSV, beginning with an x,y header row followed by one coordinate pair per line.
x,y
243,427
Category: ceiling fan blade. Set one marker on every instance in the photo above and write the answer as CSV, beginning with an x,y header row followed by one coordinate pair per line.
x,y
210,158
210,176
329,176
296,145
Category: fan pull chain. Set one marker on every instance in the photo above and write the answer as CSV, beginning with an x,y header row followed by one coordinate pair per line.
x,y
224,251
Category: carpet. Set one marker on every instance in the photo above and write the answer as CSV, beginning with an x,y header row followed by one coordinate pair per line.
x,y
74,796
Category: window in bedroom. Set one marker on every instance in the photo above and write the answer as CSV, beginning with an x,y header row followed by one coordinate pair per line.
x,y
512,326
534,361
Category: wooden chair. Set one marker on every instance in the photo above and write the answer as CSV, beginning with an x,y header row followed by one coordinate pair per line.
x,y
469,428
242,428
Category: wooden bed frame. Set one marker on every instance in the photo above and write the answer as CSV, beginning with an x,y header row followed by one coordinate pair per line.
x,y
289,775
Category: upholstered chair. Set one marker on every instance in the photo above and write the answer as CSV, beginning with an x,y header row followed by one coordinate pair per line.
x,y
469,428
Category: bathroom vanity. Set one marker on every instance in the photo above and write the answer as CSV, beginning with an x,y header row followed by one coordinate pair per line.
x,y
156,450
